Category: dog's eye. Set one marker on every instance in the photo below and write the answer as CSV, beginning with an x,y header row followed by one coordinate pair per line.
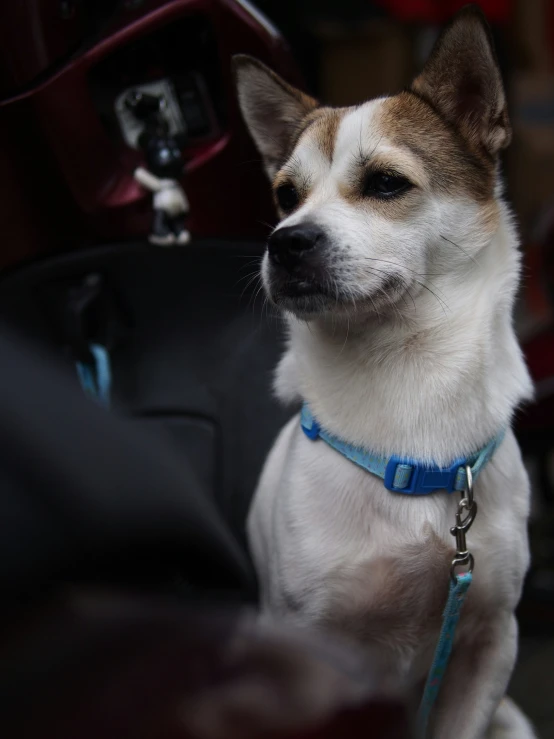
x,y
287,197
385,185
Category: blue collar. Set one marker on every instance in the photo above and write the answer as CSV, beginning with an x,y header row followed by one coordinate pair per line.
x,y
401,474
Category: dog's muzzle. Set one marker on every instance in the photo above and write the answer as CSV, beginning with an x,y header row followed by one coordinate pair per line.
x,y
294,248
297,268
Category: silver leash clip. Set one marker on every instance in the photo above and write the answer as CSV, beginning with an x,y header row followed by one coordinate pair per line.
x,y
465,516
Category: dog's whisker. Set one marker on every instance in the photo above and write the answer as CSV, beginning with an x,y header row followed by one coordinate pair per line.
x,y
251,276
270,315
417,274
265,309
469,256
380,271
267,225
249,266
252,281
440,301
248,276
363,158
393,305
403,296
264,313
375,309
411,298
403,266
260,288
347,333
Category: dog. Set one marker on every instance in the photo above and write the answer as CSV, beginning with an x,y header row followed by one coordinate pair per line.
x,y
396,264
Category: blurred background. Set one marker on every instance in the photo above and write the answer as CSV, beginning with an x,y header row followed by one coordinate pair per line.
x,y
189,344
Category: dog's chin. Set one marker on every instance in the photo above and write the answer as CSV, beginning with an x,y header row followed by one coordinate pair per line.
x,y
303,297
308,300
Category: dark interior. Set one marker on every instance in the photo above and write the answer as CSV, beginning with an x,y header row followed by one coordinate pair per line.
x,y
189,49
193,355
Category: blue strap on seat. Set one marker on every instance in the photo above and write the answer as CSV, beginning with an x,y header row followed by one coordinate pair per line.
x,y
400,474
450,618
96,378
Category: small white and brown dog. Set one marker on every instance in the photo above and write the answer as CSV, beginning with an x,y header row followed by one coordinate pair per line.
x,y
396,264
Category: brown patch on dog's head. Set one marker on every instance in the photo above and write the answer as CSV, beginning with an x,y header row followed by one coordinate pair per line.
x,y
462,82
274,111
326,123
278,115
321,126
453,168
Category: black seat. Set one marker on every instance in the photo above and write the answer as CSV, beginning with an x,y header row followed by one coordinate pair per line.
x,y
192,360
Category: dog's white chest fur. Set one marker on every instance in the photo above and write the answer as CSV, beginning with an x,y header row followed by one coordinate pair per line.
x,y
336,550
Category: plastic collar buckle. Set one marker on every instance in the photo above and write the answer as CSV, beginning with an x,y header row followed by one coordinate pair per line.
x,y
422,479
310,427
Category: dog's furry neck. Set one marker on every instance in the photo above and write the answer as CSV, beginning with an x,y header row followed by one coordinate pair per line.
x,y
434,380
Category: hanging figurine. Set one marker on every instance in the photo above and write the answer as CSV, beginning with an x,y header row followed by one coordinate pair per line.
x,y
164,164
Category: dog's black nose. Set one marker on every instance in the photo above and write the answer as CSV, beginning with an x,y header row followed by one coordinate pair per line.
x,y
288,246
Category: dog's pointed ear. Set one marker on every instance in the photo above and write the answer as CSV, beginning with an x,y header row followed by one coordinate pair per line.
x,y
463,83
271,107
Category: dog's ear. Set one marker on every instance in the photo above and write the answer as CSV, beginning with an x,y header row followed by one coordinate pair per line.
x,y
462,82
271,107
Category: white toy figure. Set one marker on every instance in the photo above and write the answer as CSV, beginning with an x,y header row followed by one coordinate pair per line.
x,y
171,206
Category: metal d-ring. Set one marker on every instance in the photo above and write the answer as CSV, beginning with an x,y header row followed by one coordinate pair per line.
x,y
468,492
464,558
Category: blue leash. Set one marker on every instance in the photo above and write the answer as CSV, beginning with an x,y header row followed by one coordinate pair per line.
x,y
450,618
96,378
459,585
